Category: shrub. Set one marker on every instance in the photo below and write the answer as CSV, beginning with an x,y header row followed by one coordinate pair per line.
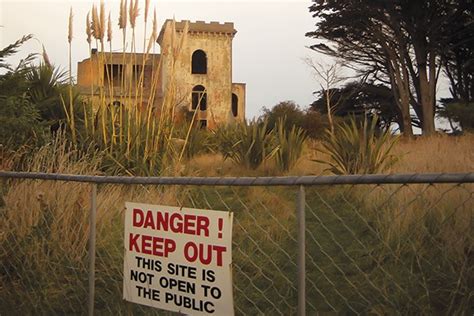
x,y
312,122
315,124
354,149
19,122
287,110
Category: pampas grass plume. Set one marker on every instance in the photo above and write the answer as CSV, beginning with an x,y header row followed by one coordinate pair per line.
x,y
102,19
69,36
109,29
154,33
88,28
133,12
123,14
47,62
95,23
147,7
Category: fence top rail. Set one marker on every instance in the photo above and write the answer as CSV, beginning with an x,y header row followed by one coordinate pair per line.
x,y
252,181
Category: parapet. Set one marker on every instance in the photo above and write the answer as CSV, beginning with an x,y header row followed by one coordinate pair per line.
x,y
201,27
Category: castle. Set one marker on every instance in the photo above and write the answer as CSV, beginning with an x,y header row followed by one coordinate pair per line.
x,y
202,73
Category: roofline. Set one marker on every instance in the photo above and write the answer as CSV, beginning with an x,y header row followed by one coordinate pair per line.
x,y
200,27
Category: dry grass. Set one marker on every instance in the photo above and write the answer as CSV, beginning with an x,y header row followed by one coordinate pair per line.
x,y
439,153
445,208
46,224
436,154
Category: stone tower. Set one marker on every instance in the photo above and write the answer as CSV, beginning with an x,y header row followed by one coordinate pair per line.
x,y
202,70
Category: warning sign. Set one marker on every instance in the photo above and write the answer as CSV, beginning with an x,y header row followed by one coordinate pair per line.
x,y
178,259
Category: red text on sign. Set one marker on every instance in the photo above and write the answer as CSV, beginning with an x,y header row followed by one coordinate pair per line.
x,y
151,245
175,222
205,254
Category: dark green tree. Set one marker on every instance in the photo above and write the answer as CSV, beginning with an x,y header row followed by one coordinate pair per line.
x,y
362,99
396,42
19,118
458,62
32,99
286,109
314,123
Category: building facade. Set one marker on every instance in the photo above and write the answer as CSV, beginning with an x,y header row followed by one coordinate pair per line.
x,y
198,68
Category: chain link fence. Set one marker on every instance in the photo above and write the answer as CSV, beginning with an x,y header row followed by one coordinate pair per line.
x,y
374,244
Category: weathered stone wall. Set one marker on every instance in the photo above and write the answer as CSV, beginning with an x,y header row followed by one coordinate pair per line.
x,y
91,77
218,79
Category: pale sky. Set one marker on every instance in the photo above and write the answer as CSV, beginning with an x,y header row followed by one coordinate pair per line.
x,y
268,49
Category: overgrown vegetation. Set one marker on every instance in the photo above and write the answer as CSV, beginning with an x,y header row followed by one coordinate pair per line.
x,y
369,248
31,100
380,250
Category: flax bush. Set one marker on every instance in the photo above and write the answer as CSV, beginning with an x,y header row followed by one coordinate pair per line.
x,y
290,145
354,149
248,145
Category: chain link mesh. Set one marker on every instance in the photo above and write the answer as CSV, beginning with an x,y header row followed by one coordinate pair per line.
x,y
378,249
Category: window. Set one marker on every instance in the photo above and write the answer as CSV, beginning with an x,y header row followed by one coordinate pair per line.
x,y
199,98
202,124
112,74
199,62
235,105
136,72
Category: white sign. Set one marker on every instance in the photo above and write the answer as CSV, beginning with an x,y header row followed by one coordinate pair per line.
x,y
178,259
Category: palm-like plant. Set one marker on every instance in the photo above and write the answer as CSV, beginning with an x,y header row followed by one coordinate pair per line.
x,y
49,91
13,49
354,149
290,145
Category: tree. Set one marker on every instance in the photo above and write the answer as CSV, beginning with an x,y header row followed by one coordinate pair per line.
x,y
287,110
31,98
362,99
19,122
48,89
397,42
19,118
458,62
329,76
312,122
13,49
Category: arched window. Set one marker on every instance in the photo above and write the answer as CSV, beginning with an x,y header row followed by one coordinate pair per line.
x,y
235,105
199,97
199,62
202,124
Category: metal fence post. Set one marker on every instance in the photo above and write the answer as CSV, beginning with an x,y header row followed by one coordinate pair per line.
x,y
301,252
92,231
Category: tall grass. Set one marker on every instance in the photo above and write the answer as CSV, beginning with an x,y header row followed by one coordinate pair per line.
x,y
44,229
439,153
417,236
136,134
